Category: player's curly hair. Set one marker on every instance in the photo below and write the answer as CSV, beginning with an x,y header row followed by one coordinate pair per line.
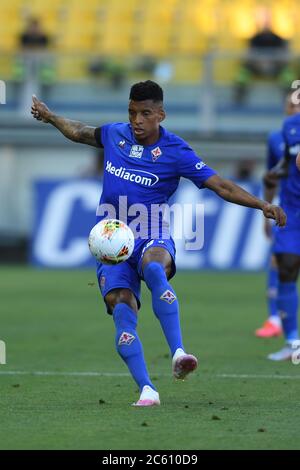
x,y
147,90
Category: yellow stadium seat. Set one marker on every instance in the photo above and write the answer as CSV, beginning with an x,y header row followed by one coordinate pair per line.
x,y
75,40
284,20
41,9
157,45
187,69
9,42
84,19
189,41
114,40
14,5
79,4
10,31
206,20
113,47
159,28
74,67
241,20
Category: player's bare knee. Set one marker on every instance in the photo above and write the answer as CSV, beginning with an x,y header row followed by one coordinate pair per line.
x,y
288,267
127,297
288,272
157,259
118,296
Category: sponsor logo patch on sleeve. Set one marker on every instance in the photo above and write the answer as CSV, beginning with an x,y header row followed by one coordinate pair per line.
x,y
200,165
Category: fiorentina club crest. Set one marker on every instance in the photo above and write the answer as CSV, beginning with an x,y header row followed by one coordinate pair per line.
x,y
156,153
168,296
136,151
126,338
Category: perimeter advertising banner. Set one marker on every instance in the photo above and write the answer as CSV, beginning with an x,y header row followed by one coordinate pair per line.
x,y
229,236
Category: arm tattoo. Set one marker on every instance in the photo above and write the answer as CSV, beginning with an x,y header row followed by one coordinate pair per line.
x,y
87,136
75,130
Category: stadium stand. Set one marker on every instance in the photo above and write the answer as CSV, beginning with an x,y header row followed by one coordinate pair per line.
x,y
130,19
126,29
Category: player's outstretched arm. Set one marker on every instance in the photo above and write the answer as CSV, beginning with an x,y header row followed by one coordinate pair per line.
x,y
233,193
73,130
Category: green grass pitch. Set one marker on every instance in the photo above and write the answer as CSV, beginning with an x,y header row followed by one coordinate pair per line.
x,y
54,322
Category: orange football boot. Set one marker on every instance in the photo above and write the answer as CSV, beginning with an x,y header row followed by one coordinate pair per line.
x,y
268,330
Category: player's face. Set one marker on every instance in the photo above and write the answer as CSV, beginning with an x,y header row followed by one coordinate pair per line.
x,y
145,118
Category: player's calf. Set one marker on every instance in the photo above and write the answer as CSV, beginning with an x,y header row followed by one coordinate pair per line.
x,y
165,304
129,346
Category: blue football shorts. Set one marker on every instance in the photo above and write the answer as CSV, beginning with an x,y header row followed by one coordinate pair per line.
x,y
128,275
287,239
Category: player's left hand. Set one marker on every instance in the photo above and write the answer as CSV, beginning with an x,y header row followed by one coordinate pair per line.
x,y
275,212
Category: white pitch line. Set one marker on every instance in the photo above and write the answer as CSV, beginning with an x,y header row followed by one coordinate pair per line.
x,y
256,376
66,374
125,374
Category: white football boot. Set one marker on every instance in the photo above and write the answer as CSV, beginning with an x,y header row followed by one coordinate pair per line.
x,y
183,364
148,397
284,354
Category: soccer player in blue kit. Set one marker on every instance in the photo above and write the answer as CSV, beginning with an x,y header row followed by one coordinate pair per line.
x,y
144,162
276,150
287,240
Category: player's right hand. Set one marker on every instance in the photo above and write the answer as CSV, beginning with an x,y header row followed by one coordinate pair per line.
x,y
39,110
276,213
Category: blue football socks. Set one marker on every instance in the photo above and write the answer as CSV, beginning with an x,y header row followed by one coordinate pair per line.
x,y
129,345
272,291
288,309
164,303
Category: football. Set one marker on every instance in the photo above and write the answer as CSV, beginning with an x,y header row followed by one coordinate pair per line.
x,y
111,241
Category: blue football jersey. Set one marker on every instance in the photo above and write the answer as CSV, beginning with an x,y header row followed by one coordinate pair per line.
x,y
146,175
291,135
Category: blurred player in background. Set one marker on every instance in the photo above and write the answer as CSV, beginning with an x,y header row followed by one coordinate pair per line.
x,y
268,57
34,66
286,246
143,145
276,150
